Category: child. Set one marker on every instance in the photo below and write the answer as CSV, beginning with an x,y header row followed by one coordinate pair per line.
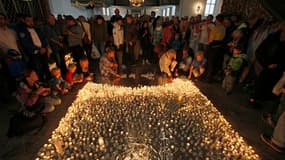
x,y
233,68
177,43
198,65
186,61
58,84
84,69
71,77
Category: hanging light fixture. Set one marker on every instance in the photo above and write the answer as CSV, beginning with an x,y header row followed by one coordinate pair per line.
x,y
136,3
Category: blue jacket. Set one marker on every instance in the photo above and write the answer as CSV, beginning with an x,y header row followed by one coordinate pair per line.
x,y
27,42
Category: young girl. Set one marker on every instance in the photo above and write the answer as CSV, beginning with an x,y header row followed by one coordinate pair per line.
x,y
59,85
71,77
145,39
198,65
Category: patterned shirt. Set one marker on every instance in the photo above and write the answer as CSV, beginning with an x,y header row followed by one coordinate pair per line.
x,y
104,66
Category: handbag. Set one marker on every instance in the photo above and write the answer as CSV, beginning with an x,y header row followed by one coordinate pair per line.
x,y
85,38
95,54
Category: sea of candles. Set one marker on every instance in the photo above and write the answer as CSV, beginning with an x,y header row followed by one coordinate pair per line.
x,y
167,122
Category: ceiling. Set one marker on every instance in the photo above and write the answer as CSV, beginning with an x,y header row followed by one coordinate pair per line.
x,y
126,2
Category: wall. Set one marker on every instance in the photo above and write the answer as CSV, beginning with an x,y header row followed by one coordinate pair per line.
x,y
189,7
245,8
64,7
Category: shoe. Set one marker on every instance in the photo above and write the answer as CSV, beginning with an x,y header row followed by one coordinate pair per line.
x,y
48,109
266,117
267,140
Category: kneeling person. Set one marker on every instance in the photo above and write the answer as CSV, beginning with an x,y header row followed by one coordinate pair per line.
x,y
109,68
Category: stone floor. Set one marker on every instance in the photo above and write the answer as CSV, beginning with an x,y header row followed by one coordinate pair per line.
x,y
234,108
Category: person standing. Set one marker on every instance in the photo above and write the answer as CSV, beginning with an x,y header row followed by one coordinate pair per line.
x,y
215,54
86,41
206,28
99,33
118,35
145,39
52,32
131,38
74,38
113,20
35,46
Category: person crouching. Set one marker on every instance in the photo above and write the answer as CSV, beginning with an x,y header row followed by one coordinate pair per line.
x,y
109,68
167,64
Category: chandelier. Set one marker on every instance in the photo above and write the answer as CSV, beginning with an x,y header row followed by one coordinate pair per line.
x,y
136,3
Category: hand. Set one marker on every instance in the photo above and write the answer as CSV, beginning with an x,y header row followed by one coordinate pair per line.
x,y
272,66
170,79
89,78
60,37
283,90
68,32
40,90
117,76
60,44
43,50
131,43
64,91
190,76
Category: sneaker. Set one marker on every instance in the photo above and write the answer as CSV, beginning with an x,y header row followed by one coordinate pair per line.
x,y
267,140
48,109
266,117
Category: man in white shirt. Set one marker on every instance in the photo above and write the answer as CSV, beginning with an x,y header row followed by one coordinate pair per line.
x,y
206,28
167,64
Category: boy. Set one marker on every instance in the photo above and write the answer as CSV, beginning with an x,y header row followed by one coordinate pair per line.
x,y
84,69
233,68
59,85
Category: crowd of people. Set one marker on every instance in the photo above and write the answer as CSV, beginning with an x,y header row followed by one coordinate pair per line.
x,y
43,61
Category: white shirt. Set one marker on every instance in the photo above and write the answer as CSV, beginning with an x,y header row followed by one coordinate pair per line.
x,y
36,40
165,64
8,39
118,34
205,28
